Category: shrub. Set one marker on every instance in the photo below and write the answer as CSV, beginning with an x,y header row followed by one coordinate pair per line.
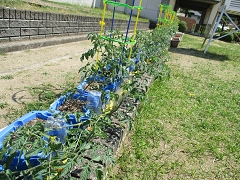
x,y
228,38
219,29
182,26
235,37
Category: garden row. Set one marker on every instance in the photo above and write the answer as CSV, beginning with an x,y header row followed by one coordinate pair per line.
x,y
81,132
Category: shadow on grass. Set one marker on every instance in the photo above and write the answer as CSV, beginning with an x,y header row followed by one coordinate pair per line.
x,y
199,53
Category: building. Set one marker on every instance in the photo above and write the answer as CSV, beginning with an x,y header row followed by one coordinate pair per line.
x,y
194,15
208,8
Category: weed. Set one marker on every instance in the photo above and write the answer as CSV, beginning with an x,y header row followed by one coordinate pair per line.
x,y
45,73
27,50
7,77
3,105
2,54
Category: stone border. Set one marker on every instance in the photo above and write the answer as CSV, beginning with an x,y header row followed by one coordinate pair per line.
x,y
23,45
20,25
31,44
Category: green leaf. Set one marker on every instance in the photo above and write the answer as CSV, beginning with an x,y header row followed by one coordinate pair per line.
x,y
86,146
96,158
99,174
85,173
6,175
10,159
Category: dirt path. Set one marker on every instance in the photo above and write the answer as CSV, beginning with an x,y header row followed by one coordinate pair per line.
x,y
31,68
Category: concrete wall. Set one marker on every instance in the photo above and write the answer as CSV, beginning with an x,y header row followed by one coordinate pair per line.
x,y
172,3
211,13
150,7
23,25
120,8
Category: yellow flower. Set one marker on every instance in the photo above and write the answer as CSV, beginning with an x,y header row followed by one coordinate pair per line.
x,y
134,72
191,95
53,138
65,161
59,170
90,128
109,106
148,61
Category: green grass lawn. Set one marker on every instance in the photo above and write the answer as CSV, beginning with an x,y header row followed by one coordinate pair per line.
x,y
64,8
189,125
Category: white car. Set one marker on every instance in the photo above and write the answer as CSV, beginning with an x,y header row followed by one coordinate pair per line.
x,y
225,27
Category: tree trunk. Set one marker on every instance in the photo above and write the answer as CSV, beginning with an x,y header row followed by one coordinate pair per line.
x,y
186,12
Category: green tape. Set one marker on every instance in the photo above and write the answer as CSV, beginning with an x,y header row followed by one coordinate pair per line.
x,y
163,20
120,41
116,4
165,7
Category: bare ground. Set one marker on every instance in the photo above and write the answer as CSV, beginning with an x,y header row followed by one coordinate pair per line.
x,y
31,68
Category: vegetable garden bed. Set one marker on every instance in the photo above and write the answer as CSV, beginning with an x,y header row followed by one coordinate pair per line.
x,y
83,130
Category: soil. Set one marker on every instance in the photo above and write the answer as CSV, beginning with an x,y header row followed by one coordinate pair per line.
x,y
22,71
72,105
34,121
30,123
93,86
